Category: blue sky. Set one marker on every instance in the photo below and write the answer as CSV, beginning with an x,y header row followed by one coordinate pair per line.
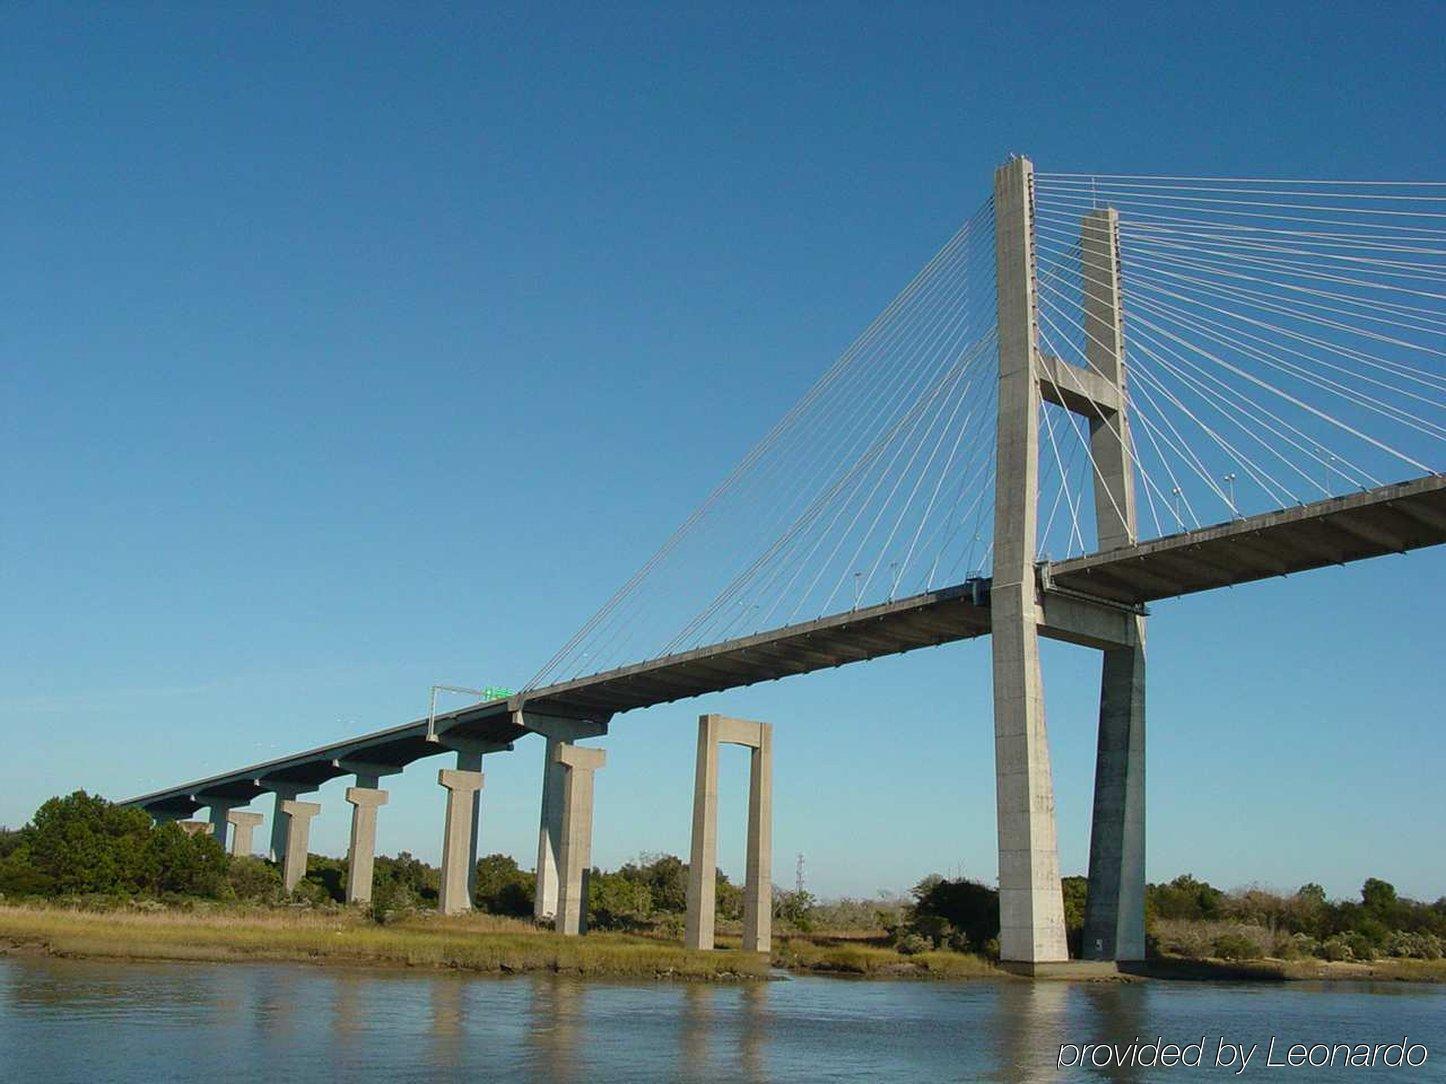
x,y
351,350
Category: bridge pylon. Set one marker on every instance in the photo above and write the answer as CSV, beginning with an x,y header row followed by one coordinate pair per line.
x,y
1032,930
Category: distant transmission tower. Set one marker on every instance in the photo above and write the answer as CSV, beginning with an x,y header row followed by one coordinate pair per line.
x,y
798,874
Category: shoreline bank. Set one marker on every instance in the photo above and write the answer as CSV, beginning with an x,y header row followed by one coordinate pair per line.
x,y
490,945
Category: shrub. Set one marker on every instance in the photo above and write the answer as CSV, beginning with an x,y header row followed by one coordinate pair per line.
x,y
503,888
911,944
1418,944
1361,946
666,878
422,881
311,894
1337,948
965,906
616,901
1297,946
391,902
254,879
1235,946
794,908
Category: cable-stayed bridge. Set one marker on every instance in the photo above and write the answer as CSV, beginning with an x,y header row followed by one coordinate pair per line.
x,y
1102,391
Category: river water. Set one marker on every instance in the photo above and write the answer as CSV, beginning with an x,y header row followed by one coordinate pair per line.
x,y
76,1020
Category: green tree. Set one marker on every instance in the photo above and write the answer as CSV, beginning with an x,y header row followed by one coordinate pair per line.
x,y
1184,897
666,878
961,914
796,908
420,881
83,843
1378,897
503,888
180,864
727,898
616,901
253,879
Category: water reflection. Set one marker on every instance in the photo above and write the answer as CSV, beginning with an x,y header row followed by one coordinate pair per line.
x,y
448,1026
753,1042
697,1026
1117,1013
553,1034
348,1017
1028,1028
78,1020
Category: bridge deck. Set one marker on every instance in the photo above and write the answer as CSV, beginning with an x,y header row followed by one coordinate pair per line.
x,y
1391,519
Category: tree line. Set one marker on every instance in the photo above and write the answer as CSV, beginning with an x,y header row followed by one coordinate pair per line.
x,y
82,847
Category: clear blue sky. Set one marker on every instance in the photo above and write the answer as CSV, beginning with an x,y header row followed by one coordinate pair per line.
x,y
350,350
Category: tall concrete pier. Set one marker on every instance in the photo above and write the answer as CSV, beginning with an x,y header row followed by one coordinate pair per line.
x,y
575,855
1115,912
459,834
559,732
714,730
361,852
298,836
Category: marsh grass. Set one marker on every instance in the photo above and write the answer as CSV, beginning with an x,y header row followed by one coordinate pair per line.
x,y
481,943
853,957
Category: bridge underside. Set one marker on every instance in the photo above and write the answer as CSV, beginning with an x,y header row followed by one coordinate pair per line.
x,y
1391,519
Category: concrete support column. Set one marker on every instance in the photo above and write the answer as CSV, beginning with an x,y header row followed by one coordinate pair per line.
x,y
285,792
558,731
549,833
703,860
1114,926
298,835
220,818
758,882
1115,914
361,853
1031,903
575,854
459,838
703,856
243,826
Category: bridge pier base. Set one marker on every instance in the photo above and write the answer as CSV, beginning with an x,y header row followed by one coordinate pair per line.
x,y
361,852
575,854
459,837
298,836
714,730
243,827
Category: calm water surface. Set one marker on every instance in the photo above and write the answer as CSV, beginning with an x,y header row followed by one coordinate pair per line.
x,y
65,1020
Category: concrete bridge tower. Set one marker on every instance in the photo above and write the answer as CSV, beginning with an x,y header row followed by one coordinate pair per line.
x,y
1030,900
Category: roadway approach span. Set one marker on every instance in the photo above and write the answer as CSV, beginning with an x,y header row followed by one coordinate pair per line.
x,y
1085,600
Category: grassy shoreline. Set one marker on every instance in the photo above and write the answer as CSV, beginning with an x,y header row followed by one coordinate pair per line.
x,y
488,944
